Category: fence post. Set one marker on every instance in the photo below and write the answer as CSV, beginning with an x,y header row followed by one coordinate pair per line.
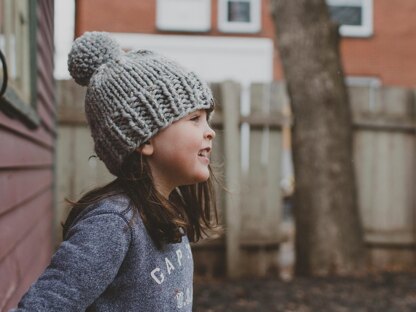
x,y
230,99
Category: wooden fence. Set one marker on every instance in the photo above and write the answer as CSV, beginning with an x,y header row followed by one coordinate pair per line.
x,y
385,159
251,208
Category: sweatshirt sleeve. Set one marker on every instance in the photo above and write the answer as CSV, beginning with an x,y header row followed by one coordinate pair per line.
x,y
83,266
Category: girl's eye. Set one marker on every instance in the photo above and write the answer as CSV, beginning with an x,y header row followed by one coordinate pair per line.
x,y
195,118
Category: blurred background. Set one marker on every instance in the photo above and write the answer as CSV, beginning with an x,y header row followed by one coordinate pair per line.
x,y
45,145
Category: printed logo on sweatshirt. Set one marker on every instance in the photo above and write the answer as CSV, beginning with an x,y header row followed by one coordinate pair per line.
x,y
183,299
159,274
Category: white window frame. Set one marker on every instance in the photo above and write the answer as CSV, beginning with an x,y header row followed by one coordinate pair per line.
x,y
15,46
364,30
18,44
254,26
183,15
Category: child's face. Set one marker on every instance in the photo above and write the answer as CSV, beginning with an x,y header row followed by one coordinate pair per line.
x,y
179,154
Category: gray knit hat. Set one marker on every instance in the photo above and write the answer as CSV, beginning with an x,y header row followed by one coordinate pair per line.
x,y
131,95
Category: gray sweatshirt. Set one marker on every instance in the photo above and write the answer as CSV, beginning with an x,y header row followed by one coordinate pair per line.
x,y
106,265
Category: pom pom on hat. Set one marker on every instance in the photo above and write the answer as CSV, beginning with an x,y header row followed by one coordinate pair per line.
x,y
88,53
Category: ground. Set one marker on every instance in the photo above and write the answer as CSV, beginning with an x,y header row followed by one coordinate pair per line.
x,y
387,291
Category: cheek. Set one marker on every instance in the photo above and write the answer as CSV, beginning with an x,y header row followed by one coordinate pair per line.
x,y
185,156
177,148
180,158
172,158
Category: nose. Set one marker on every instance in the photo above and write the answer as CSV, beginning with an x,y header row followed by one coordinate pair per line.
x,y
210,133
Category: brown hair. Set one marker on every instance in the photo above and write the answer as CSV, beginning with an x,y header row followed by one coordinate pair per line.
x,y
190,209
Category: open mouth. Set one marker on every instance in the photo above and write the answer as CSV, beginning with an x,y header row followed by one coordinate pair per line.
x,y
204,152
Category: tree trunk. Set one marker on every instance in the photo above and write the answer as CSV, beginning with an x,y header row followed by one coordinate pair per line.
x,y
329,237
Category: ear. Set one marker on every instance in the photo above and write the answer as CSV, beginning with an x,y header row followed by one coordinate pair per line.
x,y
146,149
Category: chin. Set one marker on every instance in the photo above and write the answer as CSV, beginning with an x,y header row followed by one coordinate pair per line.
x,y
203,177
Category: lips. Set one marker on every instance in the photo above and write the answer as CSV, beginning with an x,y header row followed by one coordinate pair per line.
x,y
205,152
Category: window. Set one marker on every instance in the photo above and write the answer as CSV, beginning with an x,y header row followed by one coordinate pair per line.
x,y
17,28
354,16
183,15
239,16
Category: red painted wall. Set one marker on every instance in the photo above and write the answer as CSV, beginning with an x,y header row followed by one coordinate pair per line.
x,y
389,54
26,180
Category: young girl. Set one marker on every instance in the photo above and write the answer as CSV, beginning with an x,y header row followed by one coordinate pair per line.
x,y
126,245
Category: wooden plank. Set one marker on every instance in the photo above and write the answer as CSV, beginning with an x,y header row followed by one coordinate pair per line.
x,y
218,155
45,40
89,172
65,179
380,204
48,120
397,102
46,101
33,258
9,272
400,208
400,221
39,135
71,115
30,260
217,165
253,182
85,173
398,237
70,94
45,77
70,99
230,92
16,152
44,60
261,208
363,153
15,225
364,148
18,186
45,63
363,161
274,201
383,124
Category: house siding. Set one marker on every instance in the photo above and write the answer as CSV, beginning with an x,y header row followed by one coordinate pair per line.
x,y
27,178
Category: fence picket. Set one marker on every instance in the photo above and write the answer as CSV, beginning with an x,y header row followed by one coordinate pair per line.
x,y
230,92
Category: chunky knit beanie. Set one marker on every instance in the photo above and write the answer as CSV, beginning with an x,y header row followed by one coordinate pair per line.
x,y
132,95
